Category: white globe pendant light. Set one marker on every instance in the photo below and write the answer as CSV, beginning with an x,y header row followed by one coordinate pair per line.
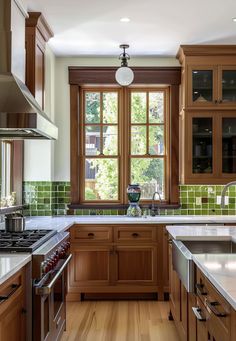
x,y
124,75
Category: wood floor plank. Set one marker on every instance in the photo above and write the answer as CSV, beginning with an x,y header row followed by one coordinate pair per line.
x,y
119,321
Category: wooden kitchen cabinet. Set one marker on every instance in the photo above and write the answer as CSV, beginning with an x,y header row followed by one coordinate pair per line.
x,y
178,301
13,309
210,147
208,77
37,34
117,259
207,114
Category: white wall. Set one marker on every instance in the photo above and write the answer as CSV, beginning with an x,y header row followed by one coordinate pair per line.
x,y
39,155
62,103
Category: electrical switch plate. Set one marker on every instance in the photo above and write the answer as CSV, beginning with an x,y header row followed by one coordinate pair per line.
x,y
198,200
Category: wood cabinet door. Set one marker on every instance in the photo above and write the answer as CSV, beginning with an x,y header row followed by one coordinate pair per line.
x,y
175,289
12,321
202,86
227,86
136,265
90,266
192,322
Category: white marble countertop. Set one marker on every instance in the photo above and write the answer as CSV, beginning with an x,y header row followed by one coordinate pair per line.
x,y
220,269
195,232
61,223
11,263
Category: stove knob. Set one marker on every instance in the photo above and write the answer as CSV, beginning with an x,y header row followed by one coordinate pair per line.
x,y
44,269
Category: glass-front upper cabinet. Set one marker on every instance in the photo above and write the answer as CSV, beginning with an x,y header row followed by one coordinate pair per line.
x,y
227,90
228,145
201,89
211,86
202,157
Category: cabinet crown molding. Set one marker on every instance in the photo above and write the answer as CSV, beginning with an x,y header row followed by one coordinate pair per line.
x,y
205,50
36,20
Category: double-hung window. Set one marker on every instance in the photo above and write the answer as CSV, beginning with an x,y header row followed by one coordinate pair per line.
x,y
123,138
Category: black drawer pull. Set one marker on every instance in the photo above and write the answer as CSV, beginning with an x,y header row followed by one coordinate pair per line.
x,y
197,313
135,234
212,306
14,287
90,234
199,288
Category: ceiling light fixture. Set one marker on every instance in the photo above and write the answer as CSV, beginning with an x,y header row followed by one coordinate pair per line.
x,y
124,75
125,19
234,19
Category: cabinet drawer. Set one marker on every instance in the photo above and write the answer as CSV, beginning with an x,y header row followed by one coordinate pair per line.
x,y
220,312
200,287
91,234
135,234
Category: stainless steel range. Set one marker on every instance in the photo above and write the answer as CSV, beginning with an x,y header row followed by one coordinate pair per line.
x,y
50,257
26,241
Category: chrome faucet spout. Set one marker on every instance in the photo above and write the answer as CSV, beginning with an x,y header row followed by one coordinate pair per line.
x,y
232,183
153,202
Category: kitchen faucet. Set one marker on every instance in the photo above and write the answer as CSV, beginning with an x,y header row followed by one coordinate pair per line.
x,y
232,183
153,204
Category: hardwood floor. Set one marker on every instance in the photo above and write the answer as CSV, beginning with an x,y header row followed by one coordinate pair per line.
x,y
119,321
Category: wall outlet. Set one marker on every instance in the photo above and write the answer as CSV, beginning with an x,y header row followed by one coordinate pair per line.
x,y
198,201
218,200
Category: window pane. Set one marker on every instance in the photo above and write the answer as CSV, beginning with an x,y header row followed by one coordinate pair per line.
x,y
156,140
92,107
138,140
138,107
229,85
92,138
110,140
149,174
110,107
156,107
101,179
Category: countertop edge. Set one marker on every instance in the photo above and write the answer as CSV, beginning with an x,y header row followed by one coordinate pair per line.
x,y
16,268
214,282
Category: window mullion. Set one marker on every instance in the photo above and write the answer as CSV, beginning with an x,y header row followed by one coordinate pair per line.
x,y
101,123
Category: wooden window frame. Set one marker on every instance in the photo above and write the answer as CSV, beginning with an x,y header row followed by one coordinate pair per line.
x,y
144,77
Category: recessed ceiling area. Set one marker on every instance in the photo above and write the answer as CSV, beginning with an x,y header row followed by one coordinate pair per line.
x,y
156,28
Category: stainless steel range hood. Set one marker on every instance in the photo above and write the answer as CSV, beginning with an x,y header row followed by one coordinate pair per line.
x,y
20,115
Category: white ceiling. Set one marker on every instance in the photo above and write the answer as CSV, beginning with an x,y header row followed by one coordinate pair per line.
x,y
83,27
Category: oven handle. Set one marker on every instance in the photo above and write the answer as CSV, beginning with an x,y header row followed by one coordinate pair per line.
x,y
40,289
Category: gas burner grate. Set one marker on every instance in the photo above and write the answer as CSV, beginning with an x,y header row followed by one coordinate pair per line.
x,y
26,241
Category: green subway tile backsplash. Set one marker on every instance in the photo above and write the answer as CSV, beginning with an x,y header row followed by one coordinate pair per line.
x,y
52,198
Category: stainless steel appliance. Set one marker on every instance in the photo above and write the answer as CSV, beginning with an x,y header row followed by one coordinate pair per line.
x,y
50,257
49,288
20,115
14,222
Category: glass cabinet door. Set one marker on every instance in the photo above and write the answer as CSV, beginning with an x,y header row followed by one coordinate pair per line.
x,y
228,85
202,86
202,157
229,145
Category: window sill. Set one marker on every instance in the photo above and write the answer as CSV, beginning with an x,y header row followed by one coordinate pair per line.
x,y
11,209
119,206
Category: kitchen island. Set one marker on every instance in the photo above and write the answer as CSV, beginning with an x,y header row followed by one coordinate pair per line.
x,y
208,312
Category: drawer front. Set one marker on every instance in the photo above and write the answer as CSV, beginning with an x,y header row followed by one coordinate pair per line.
x,y
220,312
91,234
200,286
135,234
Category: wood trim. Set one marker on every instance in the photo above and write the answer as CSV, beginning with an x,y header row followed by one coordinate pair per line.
x,y
142,75
92,76
205,50
74,152
17,169
37,21
174,145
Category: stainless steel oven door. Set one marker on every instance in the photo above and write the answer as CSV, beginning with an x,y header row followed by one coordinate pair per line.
x,y
50,296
